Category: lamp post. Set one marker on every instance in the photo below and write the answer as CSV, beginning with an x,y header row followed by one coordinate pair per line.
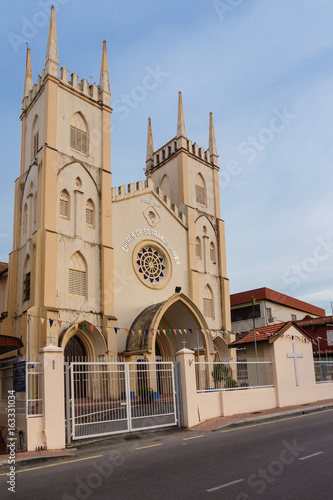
x,y
255,339
321,366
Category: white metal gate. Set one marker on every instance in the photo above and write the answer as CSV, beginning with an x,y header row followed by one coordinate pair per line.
x,y
114,397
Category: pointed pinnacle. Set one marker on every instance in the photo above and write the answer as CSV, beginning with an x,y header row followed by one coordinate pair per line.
x,y
181,130
104,80
28,75
150,144
212,140
52,44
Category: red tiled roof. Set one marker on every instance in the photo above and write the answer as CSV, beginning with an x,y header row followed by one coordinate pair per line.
x,y
3,267
269,332
272,295
316,321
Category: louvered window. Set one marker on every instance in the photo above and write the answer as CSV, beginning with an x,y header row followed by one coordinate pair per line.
x,y
200,190
77,276
208,303
26,287
78,134
90,213
64,204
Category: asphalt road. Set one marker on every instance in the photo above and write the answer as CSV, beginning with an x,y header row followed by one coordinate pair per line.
x,y
287,459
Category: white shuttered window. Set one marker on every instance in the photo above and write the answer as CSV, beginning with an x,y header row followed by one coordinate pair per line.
x,y
77,276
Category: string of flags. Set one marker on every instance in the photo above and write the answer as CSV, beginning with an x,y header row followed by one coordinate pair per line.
x,y
175,331
87,326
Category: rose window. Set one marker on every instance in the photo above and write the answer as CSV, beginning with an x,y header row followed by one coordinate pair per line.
x,y
151,265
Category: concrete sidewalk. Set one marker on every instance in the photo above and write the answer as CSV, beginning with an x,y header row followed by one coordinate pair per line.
x,y
264,415
214,424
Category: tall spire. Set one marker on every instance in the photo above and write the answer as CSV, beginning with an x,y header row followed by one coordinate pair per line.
x,y
104,80
28,75
150,148
212,141
51,59
181,131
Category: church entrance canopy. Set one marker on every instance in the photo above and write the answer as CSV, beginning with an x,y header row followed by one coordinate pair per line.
x,y
161,329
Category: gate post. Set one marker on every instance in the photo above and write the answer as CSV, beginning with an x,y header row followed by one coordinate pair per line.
x,y
189,388
53,396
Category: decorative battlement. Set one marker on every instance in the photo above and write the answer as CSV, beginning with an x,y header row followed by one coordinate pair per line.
x,y
91,91
143,188
170,148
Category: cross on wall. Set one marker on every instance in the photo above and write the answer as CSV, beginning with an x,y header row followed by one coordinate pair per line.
x,y
51,338
295,355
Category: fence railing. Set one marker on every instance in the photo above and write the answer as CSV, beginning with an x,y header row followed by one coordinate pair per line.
x,y
323,371
34,389
25,378
223,376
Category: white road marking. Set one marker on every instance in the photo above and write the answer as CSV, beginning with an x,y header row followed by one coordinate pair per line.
x,y
225,485
310,456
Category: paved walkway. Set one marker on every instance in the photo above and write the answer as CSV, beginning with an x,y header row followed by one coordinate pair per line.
x,y
217,423
209,425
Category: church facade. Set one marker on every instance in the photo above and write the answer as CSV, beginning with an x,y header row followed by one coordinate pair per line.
x,y
101,270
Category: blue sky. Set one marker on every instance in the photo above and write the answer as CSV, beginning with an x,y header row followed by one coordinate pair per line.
x,y
263,68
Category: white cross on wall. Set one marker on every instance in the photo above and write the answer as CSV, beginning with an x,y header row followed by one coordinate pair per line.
x,y
50,337
295,355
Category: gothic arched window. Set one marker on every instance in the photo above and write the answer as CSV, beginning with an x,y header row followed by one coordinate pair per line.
x,y
35,137
90,213
64,204
212,252
25,217
208,302
79,133
26,279
198,247
200,190
77,276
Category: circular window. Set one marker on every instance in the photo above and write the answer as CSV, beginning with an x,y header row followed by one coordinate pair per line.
x,y
151,264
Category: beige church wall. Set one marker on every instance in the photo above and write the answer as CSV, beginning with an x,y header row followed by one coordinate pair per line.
x,y
28,198
27,249
209,405
34,432
36,109
171,170
324,390
205,231
246,401
288,393
214,283
81,187
91,255
207,172
131,295
68,104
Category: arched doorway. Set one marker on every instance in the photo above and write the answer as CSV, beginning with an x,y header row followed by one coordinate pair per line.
x,y
74,349
169,326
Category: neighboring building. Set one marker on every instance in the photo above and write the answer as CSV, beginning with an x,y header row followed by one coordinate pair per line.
x,y
270,307
3,290
245,344
321,330
99,270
